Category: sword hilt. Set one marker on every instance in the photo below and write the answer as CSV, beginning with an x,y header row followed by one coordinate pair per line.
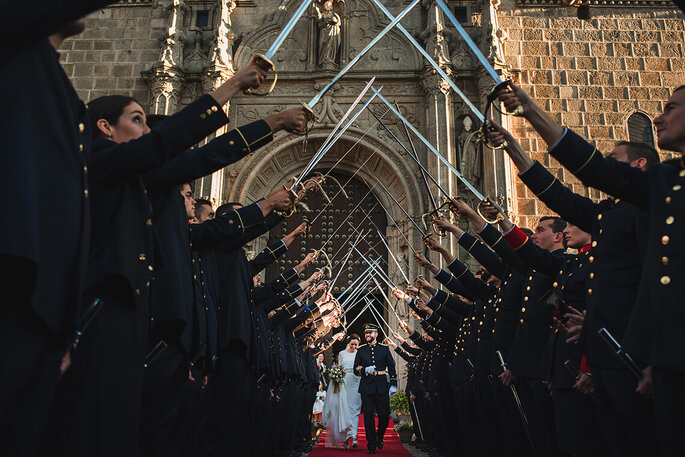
x,y
506,85
267,64
497,218
310,118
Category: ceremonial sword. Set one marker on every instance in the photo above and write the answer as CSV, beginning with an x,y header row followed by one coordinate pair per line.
x,y
620,353
266,57
514,391
440,157
499,84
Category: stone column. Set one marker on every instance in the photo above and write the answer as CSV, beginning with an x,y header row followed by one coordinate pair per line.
x,y
439,128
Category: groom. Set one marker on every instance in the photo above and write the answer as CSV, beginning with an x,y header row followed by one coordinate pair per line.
x,y
374,363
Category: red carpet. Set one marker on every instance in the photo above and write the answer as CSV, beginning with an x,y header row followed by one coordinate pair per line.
x,y
391,447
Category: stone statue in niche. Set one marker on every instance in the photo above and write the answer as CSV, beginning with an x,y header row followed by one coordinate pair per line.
x,y
471,160
171,54
329,23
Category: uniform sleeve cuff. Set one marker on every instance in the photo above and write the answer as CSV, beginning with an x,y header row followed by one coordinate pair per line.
x,y
516,238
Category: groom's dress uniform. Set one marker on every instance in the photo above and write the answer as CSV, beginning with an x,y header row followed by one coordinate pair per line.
x,y
374,388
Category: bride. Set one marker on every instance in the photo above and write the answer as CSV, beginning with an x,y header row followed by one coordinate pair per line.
x,y
341,409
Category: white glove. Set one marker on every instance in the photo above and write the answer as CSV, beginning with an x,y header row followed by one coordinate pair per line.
x,y
369,370
393,390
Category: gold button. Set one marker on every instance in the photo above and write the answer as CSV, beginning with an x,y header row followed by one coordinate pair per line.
x,y
148,223
589,291
523,310
525,298
230,221
592,276
137,291
85,193
231,143
682,173
665,280
555,284
142,257
203,116
599,217
80,147
149,267
528,288
81,127
152,318
665,239
85,169
522,321
668,200
215,109
530,278
594,244
600,231
670,220
591,259
209,111
664,260
677,187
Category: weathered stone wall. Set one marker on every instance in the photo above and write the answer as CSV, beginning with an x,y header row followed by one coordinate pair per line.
x,y
590,75
119,43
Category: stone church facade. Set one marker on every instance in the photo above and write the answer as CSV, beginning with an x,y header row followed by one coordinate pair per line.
x,y
605,77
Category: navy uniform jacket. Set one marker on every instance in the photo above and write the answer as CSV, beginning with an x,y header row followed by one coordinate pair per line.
x,y
619,243
235,275
46,141
172,290
122,243
380,356
654,330
535,319
570,288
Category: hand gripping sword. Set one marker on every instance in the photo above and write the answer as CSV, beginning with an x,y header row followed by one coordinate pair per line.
x,y
481,197
514,391
266,57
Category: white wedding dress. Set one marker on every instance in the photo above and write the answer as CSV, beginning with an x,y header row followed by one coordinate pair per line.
x,y
341,409
354,398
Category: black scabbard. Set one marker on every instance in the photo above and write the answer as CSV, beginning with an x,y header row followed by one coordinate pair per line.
x,y
86,320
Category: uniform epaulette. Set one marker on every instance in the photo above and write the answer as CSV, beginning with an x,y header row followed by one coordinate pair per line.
x,y
381,344
361,346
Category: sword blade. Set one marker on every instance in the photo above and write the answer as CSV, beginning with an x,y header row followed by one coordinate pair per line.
x,y
432,149
474,48
396,202
424,172
430,60
317,158
415,155
361,53
287,29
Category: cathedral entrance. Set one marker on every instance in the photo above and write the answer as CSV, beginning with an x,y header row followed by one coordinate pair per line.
x,y
335,228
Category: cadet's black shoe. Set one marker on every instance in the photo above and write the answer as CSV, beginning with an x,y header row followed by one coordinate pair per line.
x,y
379,445
371,451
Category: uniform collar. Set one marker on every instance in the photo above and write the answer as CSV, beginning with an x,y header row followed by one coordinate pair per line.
x,y
585,248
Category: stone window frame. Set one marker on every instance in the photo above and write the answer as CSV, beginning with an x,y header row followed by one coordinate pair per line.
x,y
639,112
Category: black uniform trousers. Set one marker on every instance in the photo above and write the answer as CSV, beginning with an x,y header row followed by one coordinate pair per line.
x,y
538,407
29,367
669,409
378,403
513,432
626,417
226,430
168,397
97,407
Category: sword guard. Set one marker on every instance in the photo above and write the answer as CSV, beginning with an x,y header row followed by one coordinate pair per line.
x,y
264,62
506,85
497,219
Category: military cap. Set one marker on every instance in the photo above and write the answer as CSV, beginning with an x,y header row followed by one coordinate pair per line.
x,y
370,328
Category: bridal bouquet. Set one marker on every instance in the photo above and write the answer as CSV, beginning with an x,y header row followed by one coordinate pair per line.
x,y
337,376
